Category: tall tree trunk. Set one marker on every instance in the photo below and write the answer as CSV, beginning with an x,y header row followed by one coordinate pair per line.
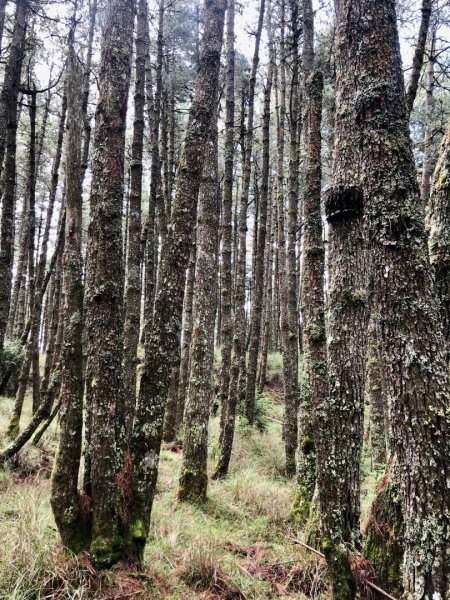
x,y
419,55
187,323
268,278
261,225
314,374
3,4
427,162
288,338
438,226
64,496
104,282
133,283
194,475
226,274
156,205
11,80
162,345
338,418
238,349
8,133
32,343
403,294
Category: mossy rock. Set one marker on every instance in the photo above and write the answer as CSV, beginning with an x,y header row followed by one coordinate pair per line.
x,y
384,537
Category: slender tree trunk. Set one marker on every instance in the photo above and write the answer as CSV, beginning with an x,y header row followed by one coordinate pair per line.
x,y
133,284
427,162
3,4
258,291
194,476
8,134
162,345
419,55
149,238
238,349
11,80
403,295
288,338
104,282
31,347
64,497
438,223
226,273
268,277
177,411
315,368
156,219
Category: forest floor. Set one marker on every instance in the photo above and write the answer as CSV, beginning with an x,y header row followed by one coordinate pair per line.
x,y
235,546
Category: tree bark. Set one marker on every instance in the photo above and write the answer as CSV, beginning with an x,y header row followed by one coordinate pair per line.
x,y
315,369
427,162
133,283
104,282
226,273
261,227
419,55
403,295
64,493
238,348
11,80
194,475
8,134
438,226
162,345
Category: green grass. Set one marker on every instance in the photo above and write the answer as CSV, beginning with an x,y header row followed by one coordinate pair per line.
x,y
235,542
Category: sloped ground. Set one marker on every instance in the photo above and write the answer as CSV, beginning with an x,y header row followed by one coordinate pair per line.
x,y
233,547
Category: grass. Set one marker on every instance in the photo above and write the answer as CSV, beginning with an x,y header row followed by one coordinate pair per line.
x,y
232,547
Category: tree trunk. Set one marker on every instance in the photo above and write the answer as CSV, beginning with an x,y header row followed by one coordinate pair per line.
x,y
31,347
261,226
438,226
268,278
162,345
403,295
64,497
315,369
194,476
226,274
8,134
238,349
288,337
338,418
104,282
427,162
11,80
419,55
133,283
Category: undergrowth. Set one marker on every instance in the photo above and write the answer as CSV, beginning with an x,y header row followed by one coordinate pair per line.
x,y
233,547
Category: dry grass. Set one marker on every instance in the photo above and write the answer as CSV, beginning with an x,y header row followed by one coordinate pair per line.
x,y
230,548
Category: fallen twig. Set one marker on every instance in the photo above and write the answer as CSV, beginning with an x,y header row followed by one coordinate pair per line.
x,y
300,543
369,583
379,590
